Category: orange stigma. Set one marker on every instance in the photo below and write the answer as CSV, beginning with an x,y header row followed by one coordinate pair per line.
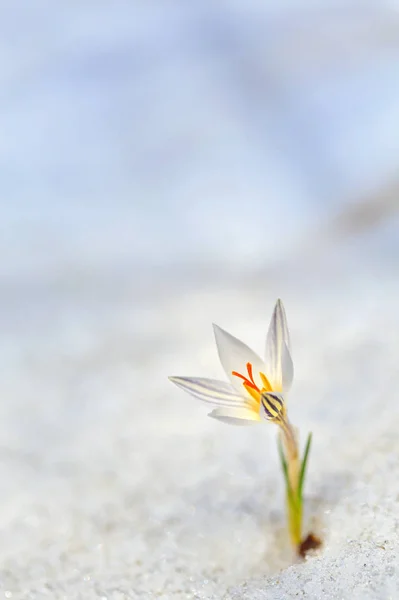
x,y
250,385
247,382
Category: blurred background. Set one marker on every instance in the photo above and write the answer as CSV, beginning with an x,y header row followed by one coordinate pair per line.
x,y
165,165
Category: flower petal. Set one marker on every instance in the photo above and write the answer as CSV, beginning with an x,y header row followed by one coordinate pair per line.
x,y
211,390
234,356
236,416
279,366
287,367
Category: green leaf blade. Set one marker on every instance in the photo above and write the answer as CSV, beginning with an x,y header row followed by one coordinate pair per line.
x,y
303,467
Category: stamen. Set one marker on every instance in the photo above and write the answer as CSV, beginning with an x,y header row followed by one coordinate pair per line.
x,y
249,381
255,394
266,382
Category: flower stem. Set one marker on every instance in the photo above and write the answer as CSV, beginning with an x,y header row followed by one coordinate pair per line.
x,y
294,474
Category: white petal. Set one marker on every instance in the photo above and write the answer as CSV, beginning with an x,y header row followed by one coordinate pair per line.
x,y
234,356
236,416
211,390
287,367
279,366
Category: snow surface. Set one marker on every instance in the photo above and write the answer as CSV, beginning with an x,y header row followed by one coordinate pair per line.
x,y
160,174
116,485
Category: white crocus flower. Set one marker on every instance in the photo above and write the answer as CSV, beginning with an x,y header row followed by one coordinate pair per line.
x,y
257,388
256,392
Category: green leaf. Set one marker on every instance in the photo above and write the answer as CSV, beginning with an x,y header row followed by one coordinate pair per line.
x,y
303,467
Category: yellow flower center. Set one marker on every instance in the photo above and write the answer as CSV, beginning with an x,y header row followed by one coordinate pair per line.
x,y
272,403
250,385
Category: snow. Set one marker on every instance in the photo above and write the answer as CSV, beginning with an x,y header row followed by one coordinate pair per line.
x,y
129,225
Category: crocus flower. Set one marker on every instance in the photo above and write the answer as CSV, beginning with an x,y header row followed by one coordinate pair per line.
x,y
257,392
257,388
